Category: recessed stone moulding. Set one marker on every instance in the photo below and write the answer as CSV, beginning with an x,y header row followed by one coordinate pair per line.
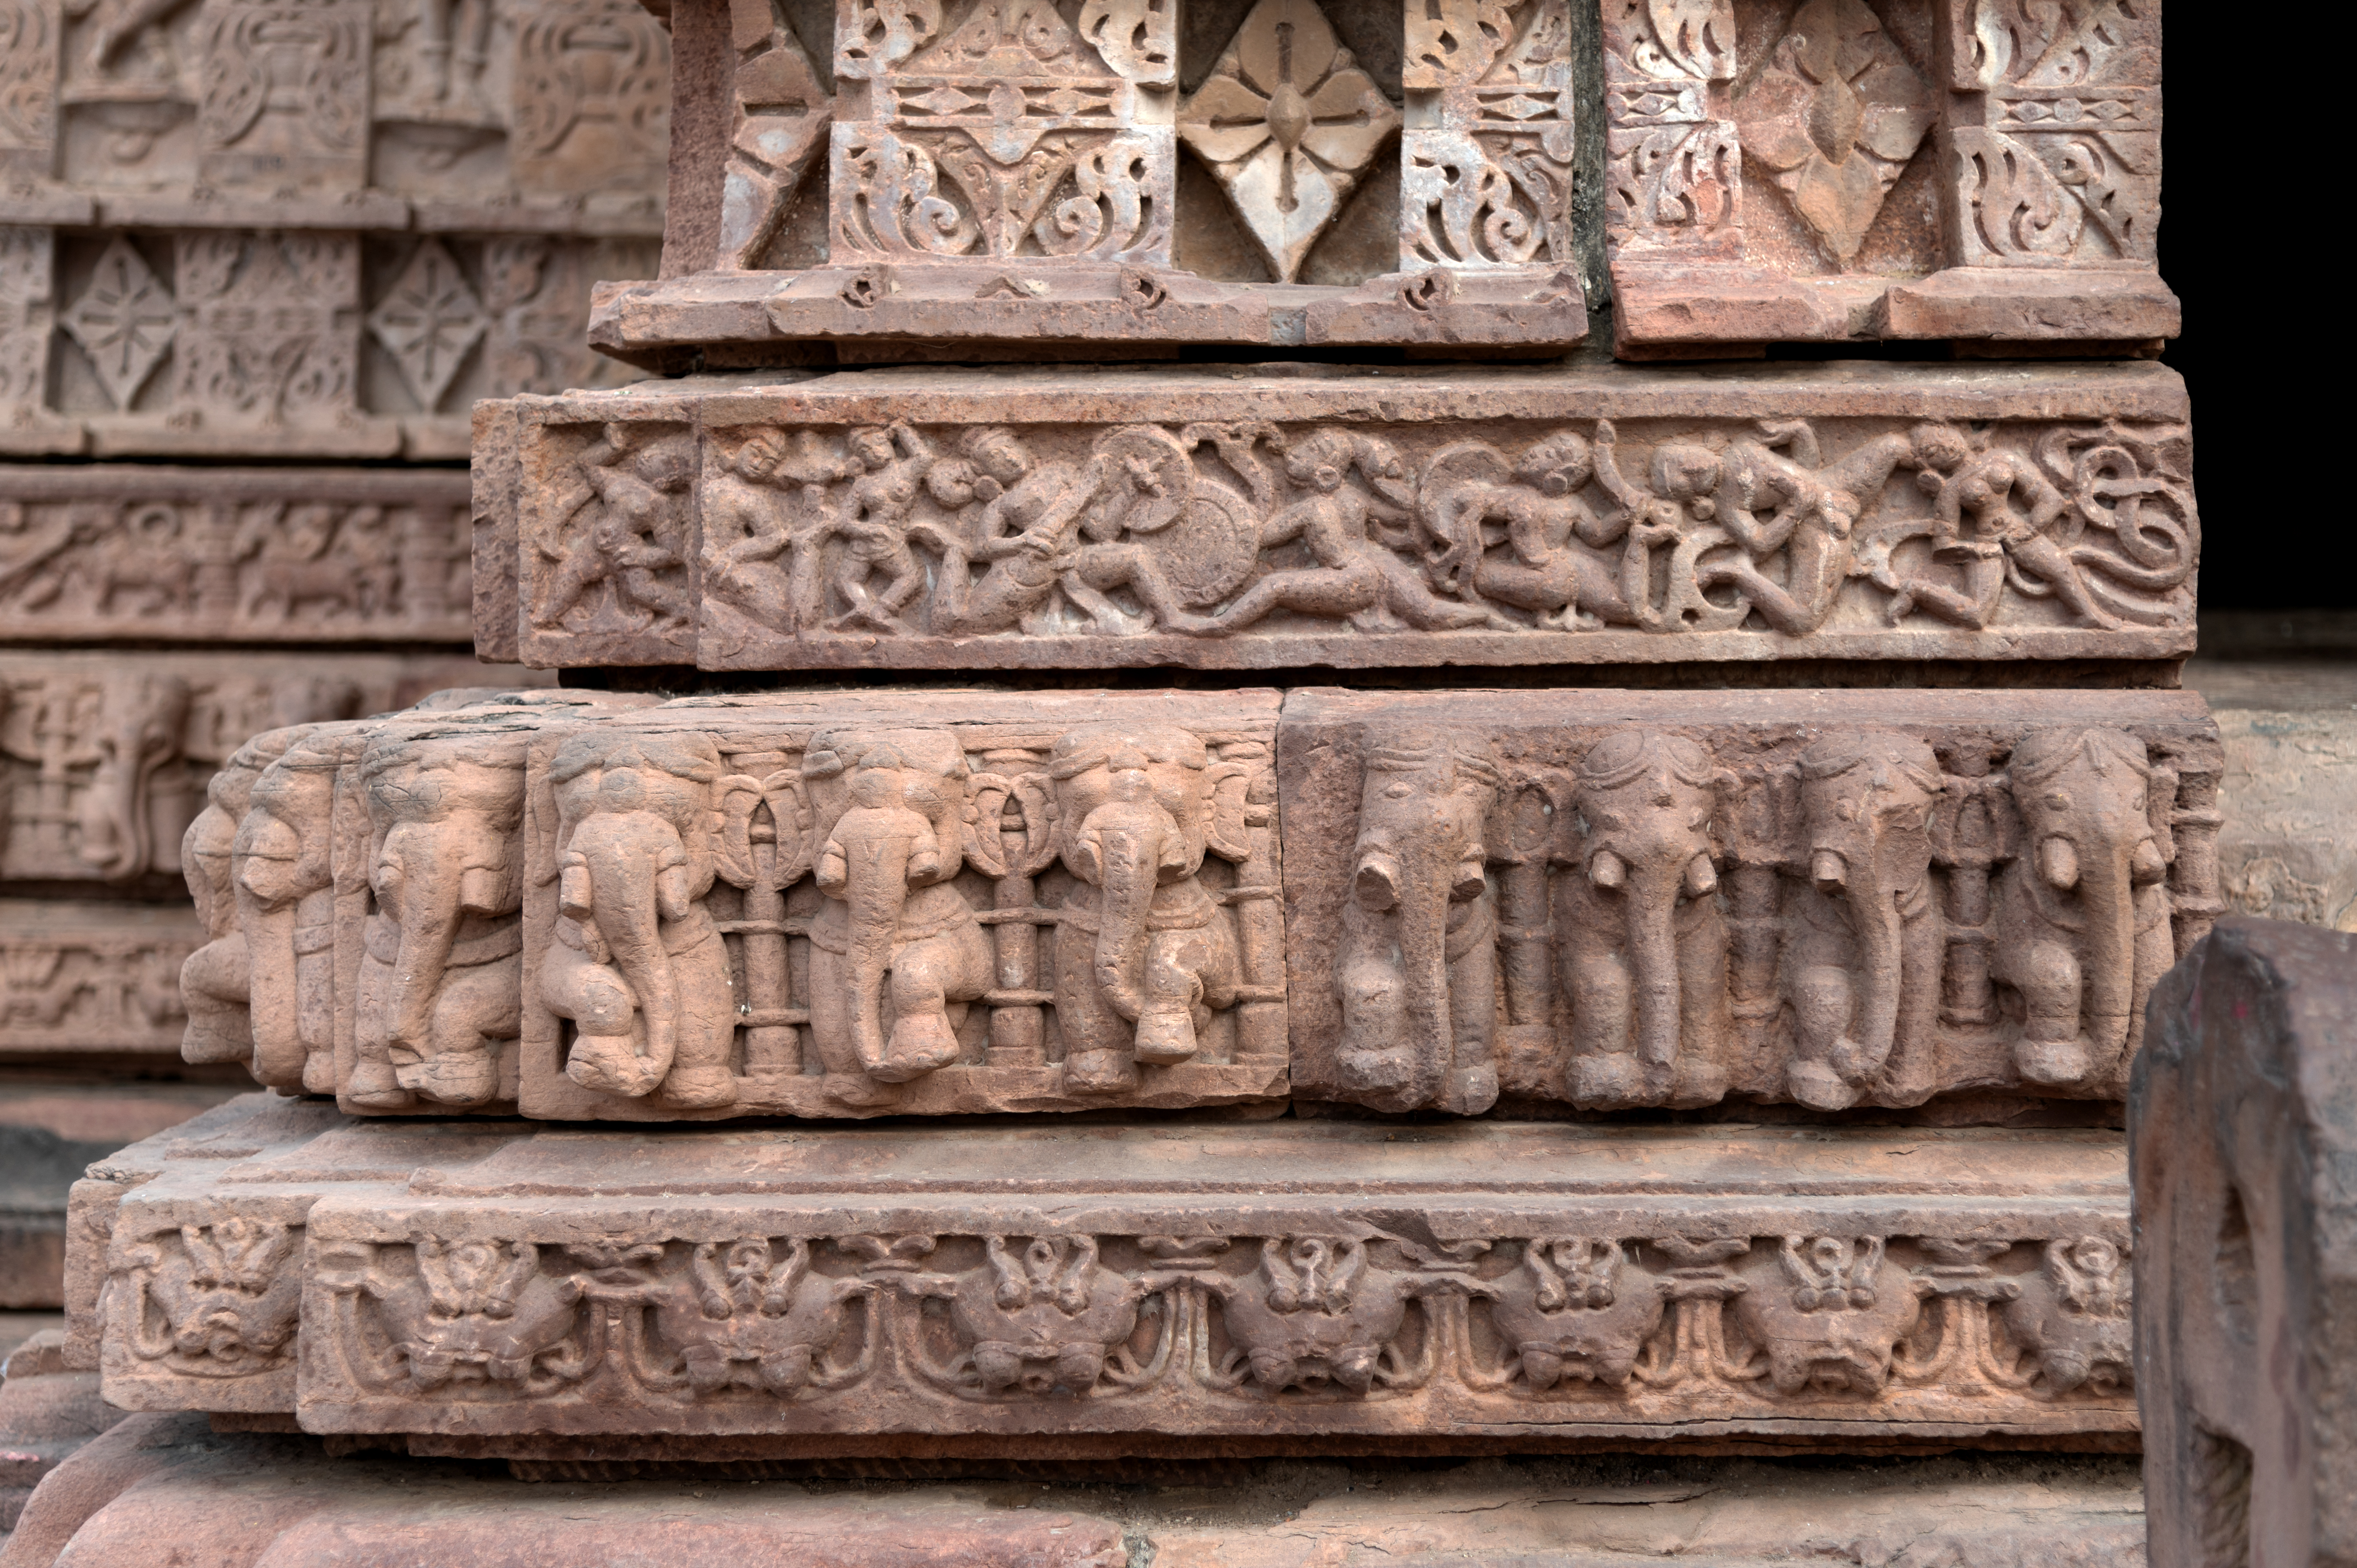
x,y
1969,169
481,1283
1106,172
1285,517
85,976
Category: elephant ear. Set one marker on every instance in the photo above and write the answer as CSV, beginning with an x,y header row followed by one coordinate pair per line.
x,y
2160,806
1229,830
1531,819
745,861
986,797
737,795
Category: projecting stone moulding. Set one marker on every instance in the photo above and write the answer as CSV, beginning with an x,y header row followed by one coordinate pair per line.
x,y
1038,519
851,904
478,1280
1115,174
1929,169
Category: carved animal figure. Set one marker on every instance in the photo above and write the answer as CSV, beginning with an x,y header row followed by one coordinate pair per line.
x,y
1833,1325
283,867
1045,1321
1417,969
748,1318
441,979
126,821
1577,1308
2083,911
217,979
636,964
895,947
1865,957
1645,947
477,1310
230,1297
2077,1316
1314,1313
1144,957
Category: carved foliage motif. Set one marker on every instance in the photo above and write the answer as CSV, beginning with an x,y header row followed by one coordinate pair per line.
x,y
82,978
28,313
1005,128
1205,531
1673,180
207,1301
1485,161
1663,918
1204,1329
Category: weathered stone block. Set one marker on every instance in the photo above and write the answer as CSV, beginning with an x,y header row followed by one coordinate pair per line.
x,y
1936,168
1281,518
92,977
1093,1284
1643,899
2240,1126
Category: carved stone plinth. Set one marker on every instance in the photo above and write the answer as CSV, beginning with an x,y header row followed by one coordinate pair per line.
x,y
89,976
1303,515
1640,898
1933,168
1129,173
480,1281
2241,1130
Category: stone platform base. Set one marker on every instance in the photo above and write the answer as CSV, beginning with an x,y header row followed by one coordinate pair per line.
x,y
249,1500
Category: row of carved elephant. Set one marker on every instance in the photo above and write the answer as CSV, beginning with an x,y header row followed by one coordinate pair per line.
x,y
580,903
1078,1317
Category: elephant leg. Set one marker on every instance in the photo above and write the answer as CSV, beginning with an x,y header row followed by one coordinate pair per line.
x,y
1605,1072
2156,951
1175,963
1823,1001
373,1083
1376,1052
699,1077
847,1082
1097,1058
1472,1086
2051,1049
917,1001
214,984
605,1014
1911,1073
478,1009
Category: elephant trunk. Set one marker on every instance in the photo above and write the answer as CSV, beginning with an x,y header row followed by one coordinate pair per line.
x,y
871,859
1874,912
2109,900
1128,846
624,857
1652,901
1423,975
427,915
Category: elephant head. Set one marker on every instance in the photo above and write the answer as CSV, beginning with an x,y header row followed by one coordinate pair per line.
x,y
1647,801
1417,971
445,870
217,978
282,869
1866,797
1139,808
634,860
140,721
890,807
2086,897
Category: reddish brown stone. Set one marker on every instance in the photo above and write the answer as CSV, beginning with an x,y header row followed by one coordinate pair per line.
x,y
2243,1124
46,1413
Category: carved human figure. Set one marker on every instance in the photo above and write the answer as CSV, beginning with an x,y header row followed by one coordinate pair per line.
x,y
230,1296
1417,969
636,964
1144,956
128,826
895,947
885,468
1865,958
1644,946
632,542
1316,1312
440,992
743,1317
1834,1318
216,980
475,1310
748,523
282,867
1978,528
2083,910
1043,1320
1356,577
1577,1309
1466,487
2076,1313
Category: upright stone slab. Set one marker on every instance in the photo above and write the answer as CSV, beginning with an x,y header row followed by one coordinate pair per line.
x,y
2241,1129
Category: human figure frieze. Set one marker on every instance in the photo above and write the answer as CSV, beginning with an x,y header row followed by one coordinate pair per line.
x,y
81,976
1277,538
1878,902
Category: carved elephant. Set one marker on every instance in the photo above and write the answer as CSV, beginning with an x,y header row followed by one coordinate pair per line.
x,y
2077,1316
1150,956
637,964
1577,1309
282,871
478,1310
441,978
1644,944
1314,1313
128,825
895,947
2083,913
1865,958
747,1318
1044,1321
217,979
1417,969
1837,1318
